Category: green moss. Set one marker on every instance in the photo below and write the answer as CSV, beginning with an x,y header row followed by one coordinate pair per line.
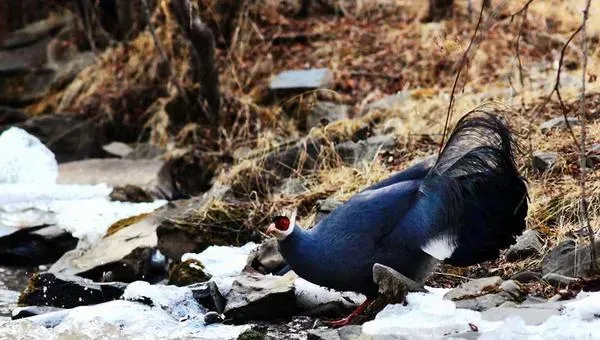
x,y
124,223
187,273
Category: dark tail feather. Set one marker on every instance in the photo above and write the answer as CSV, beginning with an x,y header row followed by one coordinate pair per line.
x,y
479,199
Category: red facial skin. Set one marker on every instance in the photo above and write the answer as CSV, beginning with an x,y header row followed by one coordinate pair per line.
x,y
282,223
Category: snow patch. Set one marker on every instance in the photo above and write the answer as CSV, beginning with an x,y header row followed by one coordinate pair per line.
x,y
309,295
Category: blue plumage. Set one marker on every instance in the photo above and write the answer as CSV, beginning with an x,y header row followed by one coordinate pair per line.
x,y
463,209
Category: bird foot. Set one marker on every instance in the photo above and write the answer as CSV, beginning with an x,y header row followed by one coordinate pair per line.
x,y
348,320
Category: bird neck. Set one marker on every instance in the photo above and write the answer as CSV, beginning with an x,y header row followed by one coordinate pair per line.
x,y
302,251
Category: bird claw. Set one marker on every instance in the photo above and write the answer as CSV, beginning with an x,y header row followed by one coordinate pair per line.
x,y
340,323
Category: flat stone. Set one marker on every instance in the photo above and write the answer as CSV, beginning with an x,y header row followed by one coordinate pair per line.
x,y
302,79
527,245
558,280
387,103
35,245
534,314
47,289
526,276
568,259
475,288
558,122
132,254
353,332
260,297
145,174
484,302
544,161
118,149
29,311
354,153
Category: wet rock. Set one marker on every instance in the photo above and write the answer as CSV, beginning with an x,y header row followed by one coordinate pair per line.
x,y
130,193
512,287
528,244
145,174
69,138
47,289
212,318
393,284
325,113
558,280
298,81
208,295
568,259
256,297
526,276
558,122
132,256
544,161
28,311
387,103
266,258
118,149
34,246
187,273
343,333
475,288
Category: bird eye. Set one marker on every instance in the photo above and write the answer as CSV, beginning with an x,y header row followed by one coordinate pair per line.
x,y
281,223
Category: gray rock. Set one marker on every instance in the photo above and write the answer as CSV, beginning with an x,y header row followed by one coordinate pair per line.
x,y
145,151
544,161
266,258
9,116
301,80
392,283
118,149
47,289
325,113
526,276
558,122
533,300
29,311
475,288
260,297
558,280
387,103
70,138
145,174
528,244
325,207
343,333
208,295
354,153
568,259
35,32
132,254
533,315
484,302
512,288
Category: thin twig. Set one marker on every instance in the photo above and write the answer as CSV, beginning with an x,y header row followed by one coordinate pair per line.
x,y
584,218
463,61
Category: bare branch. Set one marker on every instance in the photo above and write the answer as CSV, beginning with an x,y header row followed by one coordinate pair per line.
x,y
584,218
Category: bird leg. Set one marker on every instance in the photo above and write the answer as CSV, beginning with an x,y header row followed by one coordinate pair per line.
x,y
348,320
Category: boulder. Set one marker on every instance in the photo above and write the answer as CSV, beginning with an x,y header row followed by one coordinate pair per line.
x,y
47,289
35,245
208,295
527,245
145,174
558,122
568,259
532,314
260,297
293,82
558,280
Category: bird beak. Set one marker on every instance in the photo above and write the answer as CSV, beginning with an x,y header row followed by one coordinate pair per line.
x,y
271,229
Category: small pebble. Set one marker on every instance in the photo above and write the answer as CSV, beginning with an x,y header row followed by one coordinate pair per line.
x,y
212,317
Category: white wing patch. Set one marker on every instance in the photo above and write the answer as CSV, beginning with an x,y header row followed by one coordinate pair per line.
x,y
440,247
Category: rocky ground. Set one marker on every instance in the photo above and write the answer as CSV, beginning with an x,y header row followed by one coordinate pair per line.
x,y
130,209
